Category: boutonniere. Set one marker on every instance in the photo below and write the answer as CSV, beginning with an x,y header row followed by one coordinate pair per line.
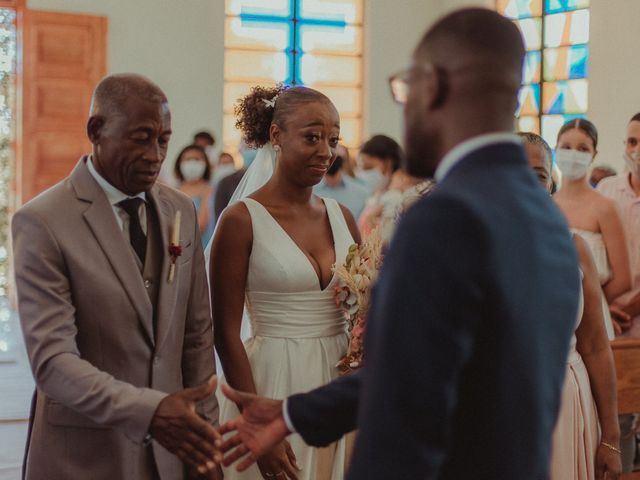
x,y
175,250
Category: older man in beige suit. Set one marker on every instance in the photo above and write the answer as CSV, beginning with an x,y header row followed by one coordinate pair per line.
x,y
114,306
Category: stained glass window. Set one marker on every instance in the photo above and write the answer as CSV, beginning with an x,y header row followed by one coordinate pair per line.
x,y
317,43
555,86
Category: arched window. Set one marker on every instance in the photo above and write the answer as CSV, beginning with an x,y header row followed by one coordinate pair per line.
x,y
317,43
555,85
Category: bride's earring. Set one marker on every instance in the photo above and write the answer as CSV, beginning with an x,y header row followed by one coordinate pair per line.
x,y
276,148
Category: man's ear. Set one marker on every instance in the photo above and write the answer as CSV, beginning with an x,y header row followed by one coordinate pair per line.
x,y
437,86
94,128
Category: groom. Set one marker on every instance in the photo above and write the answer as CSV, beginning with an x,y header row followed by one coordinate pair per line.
x,y
477,300
117,324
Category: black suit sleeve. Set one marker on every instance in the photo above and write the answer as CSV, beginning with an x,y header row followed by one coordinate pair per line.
x,y
420,335
325,414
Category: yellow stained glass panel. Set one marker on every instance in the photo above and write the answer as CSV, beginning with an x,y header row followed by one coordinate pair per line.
x,y
529,124
350,11
330,40
255,36
258,7
347,100
328,70
255,66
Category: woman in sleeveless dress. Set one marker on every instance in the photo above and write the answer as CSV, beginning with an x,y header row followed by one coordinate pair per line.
x,y
593,216
586,439
274,251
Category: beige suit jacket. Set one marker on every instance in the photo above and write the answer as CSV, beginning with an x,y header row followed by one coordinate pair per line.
x,y
88,325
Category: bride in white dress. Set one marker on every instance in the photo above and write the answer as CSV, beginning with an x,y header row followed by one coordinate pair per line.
x,y
273,251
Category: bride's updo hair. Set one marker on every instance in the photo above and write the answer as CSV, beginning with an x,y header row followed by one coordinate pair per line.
x,y
257,111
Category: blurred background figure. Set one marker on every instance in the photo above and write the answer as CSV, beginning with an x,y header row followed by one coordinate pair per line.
x,y
380,156
225,167
341,186
392,186
599,172
206,140
228,184
193,171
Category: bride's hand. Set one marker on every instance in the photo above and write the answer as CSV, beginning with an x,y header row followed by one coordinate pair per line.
x,y
279,463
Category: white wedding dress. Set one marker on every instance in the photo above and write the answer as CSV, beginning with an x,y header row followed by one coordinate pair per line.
x,y
298,332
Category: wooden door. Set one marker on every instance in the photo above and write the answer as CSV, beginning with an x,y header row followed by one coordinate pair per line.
x,y
64,57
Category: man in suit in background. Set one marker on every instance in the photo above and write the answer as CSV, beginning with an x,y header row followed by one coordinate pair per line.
x,y
477,300
117,325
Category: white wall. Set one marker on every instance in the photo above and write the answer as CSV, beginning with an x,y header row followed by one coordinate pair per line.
x,y
177,43
614,73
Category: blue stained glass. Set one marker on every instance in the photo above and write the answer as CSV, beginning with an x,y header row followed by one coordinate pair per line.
x,y
557,6
578,61
532,67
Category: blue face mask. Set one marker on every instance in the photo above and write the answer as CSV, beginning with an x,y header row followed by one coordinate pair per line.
x,y
248,156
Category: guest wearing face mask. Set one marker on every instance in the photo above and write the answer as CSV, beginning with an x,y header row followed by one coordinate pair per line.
x,y
207,141
593,216
379,157
193,171
225,167
340,186
624,190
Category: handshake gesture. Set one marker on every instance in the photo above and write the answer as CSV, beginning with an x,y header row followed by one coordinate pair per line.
x,y
258,434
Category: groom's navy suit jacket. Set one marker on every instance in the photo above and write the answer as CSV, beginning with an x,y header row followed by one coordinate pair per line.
x,y
467,338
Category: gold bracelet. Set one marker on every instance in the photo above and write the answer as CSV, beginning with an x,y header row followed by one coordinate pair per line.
x,y
611,447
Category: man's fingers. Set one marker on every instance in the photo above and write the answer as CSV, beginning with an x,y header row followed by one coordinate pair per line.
x,y
291,456
229,443
289,471
201,462
232,457
236,396
246,463
230,426
202,428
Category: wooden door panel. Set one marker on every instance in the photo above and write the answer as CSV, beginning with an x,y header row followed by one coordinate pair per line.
x,y
64,57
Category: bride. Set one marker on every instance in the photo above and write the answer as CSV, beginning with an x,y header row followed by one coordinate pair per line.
x,y
273,251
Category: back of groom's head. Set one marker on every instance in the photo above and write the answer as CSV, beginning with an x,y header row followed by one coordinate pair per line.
x,y
485,47
464,81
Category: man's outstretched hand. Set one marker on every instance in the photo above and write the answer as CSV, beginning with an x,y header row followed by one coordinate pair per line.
x,y
256,431
178,428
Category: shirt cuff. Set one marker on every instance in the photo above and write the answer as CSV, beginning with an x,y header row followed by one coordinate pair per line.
x,y
287,418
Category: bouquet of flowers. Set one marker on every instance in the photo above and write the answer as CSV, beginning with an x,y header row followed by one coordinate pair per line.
x,y
355,278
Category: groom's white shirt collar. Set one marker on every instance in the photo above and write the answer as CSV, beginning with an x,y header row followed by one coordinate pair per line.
x,y
465,148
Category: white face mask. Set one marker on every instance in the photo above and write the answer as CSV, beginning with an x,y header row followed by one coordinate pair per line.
x,y
192,169
373,177
572,163
223,170
632,160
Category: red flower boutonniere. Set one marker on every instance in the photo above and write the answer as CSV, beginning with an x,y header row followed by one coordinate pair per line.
x,y
175,250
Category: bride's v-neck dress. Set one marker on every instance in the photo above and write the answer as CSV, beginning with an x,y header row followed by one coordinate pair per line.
x,y
298,331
